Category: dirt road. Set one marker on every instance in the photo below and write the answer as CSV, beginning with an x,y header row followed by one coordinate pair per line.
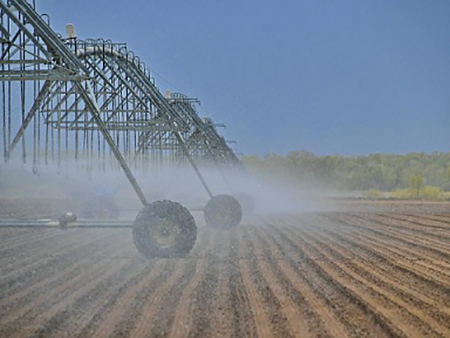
x,y
339,274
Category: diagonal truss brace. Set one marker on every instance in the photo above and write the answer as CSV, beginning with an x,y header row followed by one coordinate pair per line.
x,y
91,102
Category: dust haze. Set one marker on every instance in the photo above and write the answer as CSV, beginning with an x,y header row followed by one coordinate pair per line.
x,y
73,185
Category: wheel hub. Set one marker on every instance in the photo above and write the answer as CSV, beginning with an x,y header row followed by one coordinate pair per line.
x,y
164,234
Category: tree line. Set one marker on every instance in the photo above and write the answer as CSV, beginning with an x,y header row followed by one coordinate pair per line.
x,y
384,172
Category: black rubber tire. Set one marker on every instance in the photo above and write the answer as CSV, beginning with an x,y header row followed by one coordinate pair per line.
x,y
164,221
246,202
223,212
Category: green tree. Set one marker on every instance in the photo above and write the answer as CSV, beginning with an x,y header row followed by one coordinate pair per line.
x,y
416,184
383,172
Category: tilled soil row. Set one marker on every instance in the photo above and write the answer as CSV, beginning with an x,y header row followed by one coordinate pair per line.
x,y
317,274
354,311
395,251
403,306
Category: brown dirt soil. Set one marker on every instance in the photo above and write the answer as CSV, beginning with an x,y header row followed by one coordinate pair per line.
x,y
371,269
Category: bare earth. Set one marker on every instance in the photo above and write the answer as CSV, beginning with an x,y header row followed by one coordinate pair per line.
x,y
371,269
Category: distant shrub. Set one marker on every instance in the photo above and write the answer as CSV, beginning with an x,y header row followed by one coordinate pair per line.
x,y
425,193
401,194
373,194
432,193
446,195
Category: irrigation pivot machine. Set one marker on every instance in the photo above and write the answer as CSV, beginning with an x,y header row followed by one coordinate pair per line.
x,y
94,99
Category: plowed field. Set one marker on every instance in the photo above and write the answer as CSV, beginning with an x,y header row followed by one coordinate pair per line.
x,y
349,273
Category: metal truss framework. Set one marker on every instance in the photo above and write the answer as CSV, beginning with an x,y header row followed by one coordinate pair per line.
x,y
92,99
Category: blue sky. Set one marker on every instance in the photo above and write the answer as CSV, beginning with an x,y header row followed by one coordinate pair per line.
x,y
329,76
